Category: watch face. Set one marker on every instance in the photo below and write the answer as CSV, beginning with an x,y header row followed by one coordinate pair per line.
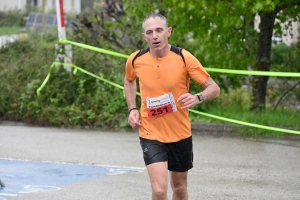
x,y
200,97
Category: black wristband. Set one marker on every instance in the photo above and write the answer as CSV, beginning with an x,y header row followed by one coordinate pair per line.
x,y
131,110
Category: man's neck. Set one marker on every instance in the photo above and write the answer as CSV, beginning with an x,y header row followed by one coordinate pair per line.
x,y
160,53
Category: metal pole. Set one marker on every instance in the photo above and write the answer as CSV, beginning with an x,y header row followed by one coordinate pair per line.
x,y
66,55
60,20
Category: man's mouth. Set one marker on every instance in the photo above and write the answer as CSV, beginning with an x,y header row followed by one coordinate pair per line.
x,y
156,43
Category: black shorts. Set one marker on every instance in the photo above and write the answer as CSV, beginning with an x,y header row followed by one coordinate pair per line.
x,y
178,154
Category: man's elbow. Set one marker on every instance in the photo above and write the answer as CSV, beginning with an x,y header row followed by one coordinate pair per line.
x,y
126,81
217,90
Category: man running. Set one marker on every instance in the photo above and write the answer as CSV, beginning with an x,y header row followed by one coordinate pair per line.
x,y
164,73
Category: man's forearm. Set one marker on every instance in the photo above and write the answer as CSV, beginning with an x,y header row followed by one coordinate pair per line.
x,y
130,89
211,90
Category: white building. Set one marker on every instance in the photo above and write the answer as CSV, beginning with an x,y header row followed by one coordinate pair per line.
x,y
289,36
293,35
70,6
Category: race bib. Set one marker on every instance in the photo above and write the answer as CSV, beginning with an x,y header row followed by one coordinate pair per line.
x,y
161,105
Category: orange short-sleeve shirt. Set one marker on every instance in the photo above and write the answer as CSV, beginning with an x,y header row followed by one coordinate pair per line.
x,y
157,77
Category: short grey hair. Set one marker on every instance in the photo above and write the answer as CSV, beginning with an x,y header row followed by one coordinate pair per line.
x,y
154,15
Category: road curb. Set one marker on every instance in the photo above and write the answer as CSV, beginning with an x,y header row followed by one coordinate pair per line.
x,y
205,129
230,130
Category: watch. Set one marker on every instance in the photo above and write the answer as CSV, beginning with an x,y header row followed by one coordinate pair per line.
x,y
200,98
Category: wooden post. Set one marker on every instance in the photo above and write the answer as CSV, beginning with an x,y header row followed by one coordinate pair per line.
x,y
43,18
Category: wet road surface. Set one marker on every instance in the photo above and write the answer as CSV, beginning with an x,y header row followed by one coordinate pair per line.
x,y
224,167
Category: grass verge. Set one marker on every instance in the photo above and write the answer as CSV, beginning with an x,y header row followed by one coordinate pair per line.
x,y
10,30
280,118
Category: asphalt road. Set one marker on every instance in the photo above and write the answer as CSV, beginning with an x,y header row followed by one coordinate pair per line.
x,y
224,167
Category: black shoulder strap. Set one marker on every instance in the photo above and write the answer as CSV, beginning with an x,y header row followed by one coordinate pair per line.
x,y
176,50
141,52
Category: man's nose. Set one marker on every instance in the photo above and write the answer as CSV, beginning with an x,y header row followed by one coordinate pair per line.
x,y
154,35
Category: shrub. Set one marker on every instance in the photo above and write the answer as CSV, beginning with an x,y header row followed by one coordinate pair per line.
x,y
67,99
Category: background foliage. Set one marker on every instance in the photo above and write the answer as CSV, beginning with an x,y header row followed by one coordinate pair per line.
x,y
222,34
67,99
81,100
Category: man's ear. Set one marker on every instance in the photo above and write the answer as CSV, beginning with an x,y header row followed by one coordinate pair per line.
x,y
144,36
170,31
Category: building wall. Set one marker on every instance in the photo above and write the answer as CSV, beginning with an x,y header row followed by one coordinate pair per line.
x,y
70,6
12,4
289,36
292,36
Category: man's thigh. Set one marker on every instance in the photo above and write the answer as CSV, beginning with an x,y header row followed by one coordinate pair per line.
x,y
180,155
153,151
178,179
158,174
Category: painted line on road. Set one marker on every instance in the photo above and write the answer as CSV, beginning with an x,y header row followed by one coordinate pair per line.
x,y
138,169
27,176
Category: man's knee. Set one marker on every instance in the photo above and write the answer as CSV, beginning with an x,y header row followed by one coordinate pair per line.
x,y
179,189
159,192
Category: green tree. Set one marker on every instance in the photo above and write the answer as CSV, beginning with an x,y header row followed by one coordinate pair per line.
x,y
284,11
222,34
287,58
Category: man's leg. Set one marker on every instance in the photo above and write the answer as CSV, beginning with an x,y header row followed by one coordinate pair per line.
x,y
179,185
180,160
158,174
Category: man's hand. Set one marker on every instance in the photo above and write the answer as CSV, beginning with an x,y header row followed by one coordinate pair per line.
x,y
188,100
134,119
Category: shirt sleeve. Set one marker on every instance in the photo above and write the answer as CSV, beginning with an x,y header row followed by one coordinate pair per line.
x,y
129,69
195,69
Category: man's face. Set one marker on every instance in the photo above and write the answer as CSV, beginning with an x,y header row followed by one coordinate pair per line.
x,y
156,33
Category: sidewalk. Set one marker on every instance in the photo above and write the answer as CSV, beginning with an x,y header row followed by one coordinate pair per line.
x,y
224,167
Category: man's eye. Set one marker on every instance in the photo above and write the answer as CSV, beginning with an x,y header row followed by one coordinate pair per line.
x,y
148,32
